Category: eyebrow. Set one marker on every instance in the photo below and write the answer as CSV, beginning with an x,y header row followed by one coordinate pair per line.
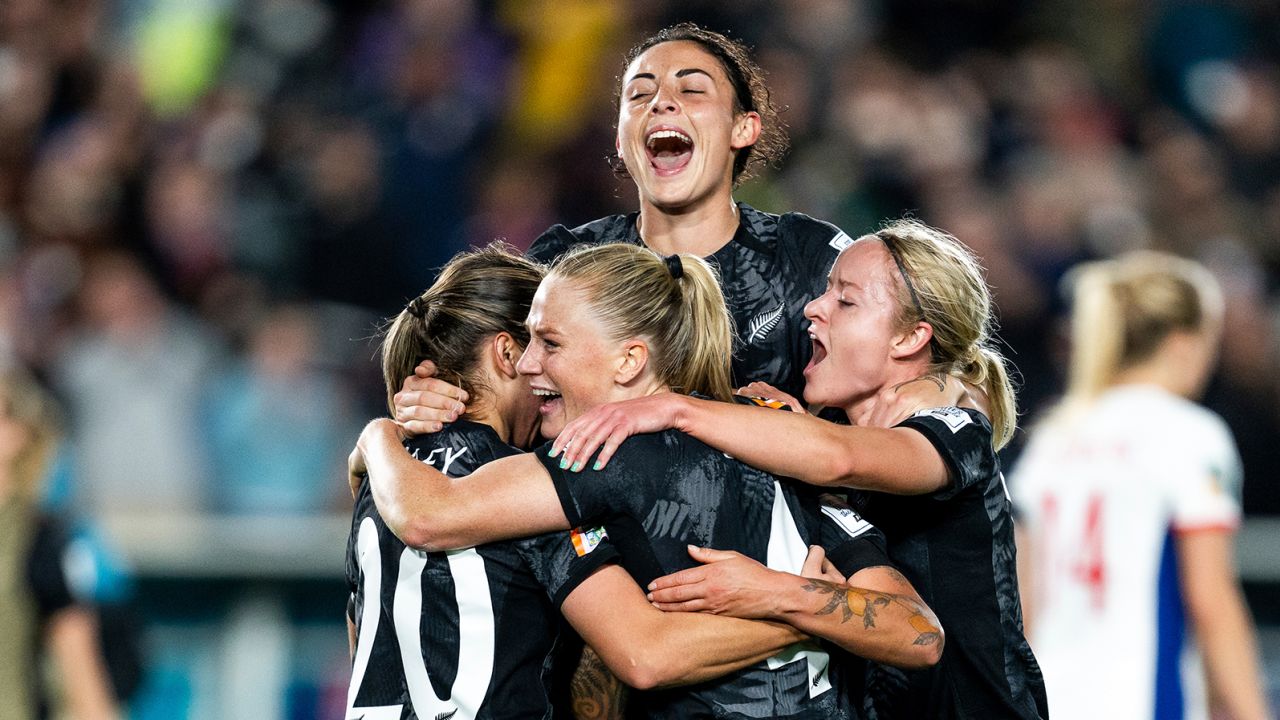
x,y
679,73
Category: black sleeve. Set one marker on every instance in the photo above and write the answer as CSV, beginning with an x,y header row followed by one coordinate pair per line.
x,y
592,497
963,439
852,543
562,561
551,244
46,568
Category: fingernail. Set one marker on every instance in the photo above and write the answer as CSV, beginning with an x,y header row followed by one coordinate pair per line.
x,y
649,597
650,586
577,467
597,465
564,463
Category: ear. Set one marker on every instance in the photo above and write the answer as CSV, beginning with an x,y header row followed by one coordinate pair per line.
x,y
632,362
746,130
913,340
505,352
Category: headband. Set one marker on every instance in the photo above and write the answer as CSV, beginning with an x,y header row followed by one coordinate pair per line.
x,y
890,244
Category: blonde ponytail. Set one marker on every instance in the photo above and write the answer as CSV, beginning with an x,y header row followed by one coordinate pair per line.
x,y
674,303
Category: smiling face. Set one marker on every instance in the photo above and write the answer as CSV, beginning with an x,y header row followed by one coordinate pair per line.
x,y
570,362
678,128
854,328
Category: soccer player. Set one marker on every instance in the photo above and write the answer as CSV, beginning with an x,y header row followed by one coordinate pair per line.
x,y
905,302
1128,493
694,119
617,321
470,633
40,615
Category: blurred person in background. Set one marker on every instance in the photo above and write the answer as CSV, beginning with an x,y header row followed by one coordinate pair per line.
x,y
40,616
1129,495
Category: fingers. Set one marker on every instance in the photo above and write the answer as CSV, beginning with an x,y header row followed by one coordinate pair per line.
x,y
688,576
691,606
814,561
708,555
425,369
679,594
765,391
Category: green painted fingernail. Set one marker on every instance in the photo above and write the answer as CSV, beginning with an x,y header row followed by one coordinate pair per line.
x,y
564,463
597,466
551,452
577,467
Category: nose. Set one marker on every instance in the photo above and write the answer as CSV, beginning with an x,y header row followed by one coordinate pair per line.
x,y
528,364
664,101
813,310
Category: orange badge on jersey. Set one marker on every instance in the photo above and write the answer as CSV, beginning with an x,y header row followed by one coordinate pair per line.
x,y
584,541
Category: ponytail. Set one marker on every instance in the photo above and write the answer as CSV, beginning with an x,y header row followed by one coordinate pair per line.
x,y
674,303
1097,333
988,370
479,294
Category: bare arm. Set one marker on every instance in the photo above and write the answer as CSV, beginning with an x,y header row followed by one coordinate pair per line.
x,y
72,638
812,450
876,614
1222,623
648,648
508,498
425,403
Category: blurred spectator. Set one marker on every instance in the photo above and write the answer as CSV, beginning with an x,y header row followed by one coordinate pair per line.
x,y
279,422
43,613
132,379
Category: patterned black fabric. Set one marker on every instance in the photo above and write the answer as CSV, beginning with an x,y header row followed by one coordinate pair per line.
x,y
664,491
772,268
525,579
956,546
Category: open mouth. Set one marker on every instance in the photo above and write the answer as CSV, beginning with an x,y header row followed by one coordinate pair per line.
x,y
819,353
669,150
550,400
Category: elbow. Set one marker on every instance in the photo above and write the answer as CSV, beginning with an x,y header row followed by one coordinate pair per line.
x,y
927,650
648,669
422,533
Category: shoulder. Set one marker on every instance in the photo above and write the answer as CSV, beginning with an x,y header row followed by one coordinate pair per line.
x,y
803,233
459,448
559,239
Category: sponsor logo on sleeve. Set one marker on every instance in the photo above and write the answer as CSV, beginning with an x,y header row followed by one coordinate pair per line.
x,y
847,518
953,417
840,241
586,540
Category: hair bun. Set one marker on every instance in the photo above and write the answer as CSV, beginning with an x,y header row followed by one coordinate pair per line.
x,y
674,266
418,307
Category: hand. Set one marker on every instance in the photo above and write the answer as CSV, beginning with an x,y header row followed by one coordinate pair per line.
x,y
606,426
357,467
357,471
730,583
925,392
765,391
425,403
817,567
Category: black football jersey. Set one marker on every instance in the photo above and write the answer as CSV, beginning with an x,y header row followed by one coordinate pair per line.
x,y
772,268
662,492
459,634
956,547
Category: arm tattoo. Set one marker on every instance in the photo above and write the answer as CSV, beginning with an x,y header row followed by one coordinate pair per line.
x,y
926,632
597,694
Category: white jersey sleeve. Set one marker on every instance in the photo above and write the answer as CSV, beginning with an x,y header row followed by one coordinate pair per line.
x,y
1205,476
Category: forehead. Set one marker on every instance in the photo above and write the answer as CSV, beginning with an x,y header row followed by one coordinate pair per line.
x,y
673,56
866,262
559,305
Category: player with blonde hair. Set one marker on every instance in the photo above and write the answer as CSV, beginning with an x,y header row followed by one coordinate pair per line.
x,y
1128,494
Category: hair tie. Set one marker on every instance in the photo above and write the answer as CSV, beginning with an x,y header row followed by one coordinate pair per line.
x,y
674,266
418,307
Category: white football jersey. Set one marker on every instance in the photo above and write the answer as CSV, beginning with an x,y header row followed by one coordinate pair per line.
x,y
1102,492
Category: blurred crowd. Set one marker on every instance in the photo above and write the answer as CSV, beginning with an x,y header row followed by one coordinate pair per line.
x,y
207,206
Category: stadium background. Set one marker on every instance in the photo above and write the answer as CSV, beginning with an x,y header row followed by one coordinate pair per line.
x,y
207,205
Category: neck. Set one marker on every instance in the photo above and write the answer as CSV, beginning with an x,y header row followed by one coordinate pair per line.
x,y
1166,376
483,411
864,411
700,229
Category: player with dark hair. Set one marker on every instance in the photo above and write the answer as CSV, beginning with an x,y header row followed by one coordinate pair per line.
x,y
470,633
694,119
618,321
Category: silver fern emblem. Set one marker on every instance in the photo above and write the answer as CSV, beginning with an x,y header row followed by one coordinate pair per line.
x,y
764,323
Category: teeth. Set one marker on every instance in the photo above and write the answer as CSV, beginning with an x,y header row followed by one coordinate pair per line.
x,y
662,134
545,393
